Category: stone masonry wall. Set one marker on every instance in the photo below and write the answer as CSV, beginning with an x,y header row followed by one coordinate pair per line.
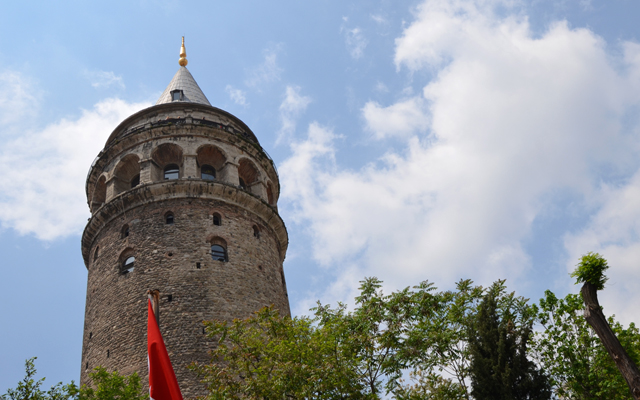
x,y
175,259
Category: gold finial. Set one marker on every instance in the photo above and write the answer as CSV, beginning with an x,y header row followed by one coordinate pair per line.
x,y
183,55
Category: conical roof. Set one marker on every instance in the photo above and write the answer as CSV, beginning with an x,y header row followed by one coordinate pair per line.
x,y
191,92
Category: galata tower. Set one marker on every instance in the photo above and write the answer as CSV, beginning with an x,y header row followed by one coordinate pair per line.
x,y
183,200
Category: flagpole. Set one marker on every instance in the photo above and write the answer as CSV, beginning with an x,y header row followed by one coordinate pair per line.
x,y
154,297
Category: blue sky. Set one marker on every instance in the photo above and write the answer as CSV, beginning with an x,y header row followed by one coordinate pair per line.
x,y
415,140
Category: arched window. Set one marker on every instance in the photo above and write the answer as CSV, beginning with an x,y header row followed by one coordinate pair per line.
x,y
208,173
126,174
247,173
168,218
95,255
128,265
256,232
124,232
167,160
218,252
217,219
171,171
212,161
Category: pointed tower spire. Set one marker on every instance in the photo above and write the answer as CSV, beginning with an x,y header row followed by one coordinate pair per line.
x,y
183,55
183,87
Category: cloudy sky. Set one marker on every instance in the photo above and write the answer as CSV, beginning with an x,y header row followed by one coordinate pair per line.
x,y
415,140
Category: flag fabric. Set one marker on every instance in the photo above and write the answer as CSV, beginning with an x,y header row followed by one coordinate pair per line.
x,y
163,384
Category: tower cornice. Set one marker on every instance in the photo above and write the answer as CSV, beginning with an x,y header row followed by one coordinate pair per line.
x,y
135,121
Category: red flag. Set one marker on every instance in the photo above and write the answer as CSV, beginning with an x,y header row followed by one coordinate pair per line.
x,y
163,384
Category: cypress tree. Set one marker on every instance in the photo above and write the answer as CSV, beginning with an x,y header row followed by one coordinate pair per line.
x,y
500,369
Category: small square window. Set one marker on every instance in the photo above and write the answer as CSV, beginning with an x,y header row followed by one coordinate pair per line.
x,y
176,95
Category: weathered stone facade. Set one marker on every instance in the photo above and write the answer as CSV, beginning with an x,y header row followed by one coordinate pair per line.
x,y
169,226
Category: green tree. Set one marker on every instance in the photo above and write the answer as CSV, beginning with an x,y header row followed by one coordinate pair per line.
x,y
500,368
110,386
590,270
361,353
437,337
106,386
30,388
337,354
578,365
430,386
437,345
375,334
268,356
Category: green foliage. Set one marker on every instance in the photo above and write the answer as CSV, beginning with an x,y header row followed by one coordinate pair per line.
x,y
357,354
431,386
361,353
375,334
110,386
576,361
30,388
500,368
591,269
367,336
107,386
437,337
267,356
440,340
336,354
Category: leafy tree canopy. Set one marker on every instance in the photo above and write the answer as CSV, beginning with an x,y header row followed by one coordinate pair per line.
x,y
107,386
363,353
591,269
576,361
416,343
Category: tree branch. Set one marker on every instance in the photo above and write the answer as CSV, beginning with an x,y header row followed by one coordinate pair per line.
x,y
594,316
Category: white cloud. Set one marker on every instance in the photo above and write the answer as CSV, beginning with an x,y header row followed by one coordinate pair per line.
x,y
354,39
400,119
290,108
104,79
614,232
268,71
510,119
236,95
18,98
45,170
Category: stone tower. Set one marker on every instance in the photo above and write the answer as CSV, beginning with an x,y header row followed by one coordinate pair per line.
x,y
183,199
